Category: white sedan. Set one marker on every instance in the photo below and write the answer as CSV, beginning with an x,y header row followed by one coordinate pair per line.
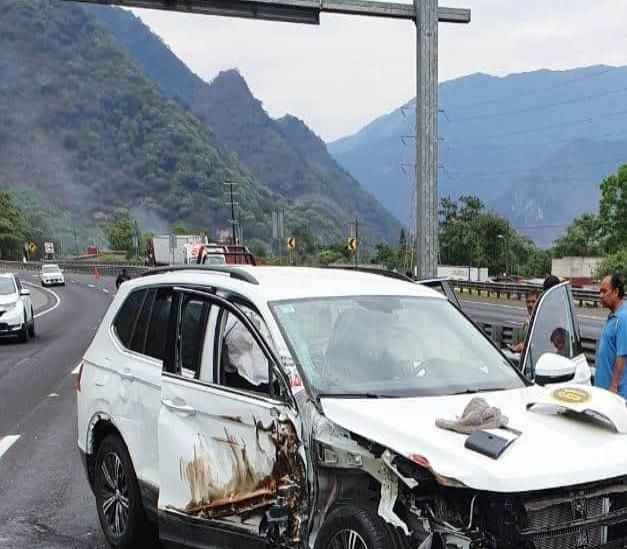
x,y
51,275
16,309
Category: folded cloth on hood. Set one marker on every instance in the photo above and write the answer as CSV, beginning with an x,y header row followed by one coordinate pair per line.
x,y
478,414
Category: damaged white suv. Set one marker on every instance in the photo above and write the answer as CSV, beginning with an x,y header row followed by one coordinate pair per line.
x,y
289,407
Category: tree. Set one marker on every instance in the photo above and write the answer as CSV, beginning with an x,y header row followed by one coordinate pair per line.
x,y
471,235
120,233
14,227
614,264
613,211
178,227
581,237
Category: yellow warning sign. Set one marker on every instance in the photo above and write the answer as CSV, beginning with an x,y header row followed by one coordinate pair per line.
x,y
352,244
291,242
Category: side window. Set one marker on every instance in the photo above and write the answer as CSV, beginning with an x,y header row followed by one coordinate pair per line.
x,y
553,329
242,364
125,320
158,327
141,326
194,313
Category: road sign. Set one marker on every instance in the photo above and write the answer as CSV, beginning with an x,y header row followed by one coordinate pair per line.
x,y
291,242
30,247
352,244
49,247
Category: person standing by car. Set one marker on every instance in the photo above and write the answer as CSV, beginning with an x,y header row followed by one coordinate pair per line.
x,y
612,350
123,276
530,302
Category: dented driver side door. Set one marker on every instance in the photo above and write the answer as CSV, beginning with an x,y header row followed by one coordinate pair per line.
x,y
229,447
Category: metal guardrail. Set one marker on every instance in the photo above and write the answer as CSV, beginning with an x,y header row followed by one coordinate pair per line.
x,y
518,291
501,334
78,267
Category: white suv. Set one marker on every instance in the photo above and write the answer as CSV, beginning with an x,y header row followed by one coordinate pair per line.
x,y
293,407
16,309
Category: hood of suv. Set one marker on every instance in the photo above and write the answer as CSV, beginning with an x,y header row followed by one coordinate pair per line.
x,y
553,449
6,299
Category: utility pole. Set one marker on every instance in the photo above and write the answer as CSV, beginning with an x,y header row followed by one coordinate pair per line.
x,y
233,221
427,17
76,241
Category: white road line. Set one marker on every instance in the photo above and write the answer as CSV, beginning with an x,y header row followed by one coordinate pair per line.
x,y
7,442
56,297
105,290
488,304
91,285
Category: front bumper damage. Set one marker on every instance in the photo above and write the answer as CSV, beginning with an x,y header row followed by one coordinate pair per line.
x,y
429,511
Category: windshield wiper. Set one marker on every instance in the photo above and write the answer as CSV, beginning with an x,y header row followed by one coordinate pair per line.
x,y
475,391
353,395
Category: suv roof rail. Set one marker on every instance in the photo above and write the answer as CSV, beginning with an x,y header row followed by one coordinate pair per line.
x,y
233,272
373,270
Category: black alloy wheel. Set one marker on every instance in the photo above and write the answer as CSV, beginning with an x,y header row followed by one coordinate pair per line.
x,y
118,498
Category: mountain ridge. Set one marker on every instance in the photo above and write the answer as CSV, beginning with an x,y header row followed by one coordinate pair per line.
x,y
329,194
495,131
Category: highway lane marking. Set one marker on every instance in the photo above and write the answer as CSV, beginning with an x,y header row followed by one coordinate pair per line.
x,y
105,290
54,294
7,442
91,285
487,304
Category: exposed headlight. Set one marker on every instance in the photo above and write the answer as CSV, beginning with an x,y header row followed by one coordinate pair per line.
x,y
8,306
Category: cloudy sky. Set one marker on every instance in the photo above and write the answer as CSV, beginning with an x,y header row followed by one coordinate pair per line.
x,y
342,74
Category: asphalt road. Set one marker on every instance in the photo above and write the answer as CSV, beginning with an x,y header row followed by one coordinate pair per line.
x,y
591,321
45,501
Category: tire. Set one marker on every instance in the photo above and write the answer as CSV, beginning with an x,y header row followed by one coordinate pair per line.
x,y
350,527
25,334
132,528
31,328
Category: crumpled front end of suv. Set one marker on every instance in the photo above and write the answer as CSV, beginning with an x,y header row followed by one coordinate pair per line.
x,y
426,510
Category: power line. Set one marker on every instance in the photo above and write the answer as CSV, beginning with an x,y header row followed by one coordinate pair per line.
x,y
552,126
538,107
538,90
595,139
541,169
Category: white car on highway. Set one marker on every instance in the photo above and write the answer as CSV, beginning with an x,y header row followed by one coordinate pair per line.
x,y
304,408
51,275
16,309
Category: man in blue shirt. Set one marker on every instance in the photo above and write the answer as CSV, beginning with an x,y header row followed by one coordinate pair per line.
x,y
611,373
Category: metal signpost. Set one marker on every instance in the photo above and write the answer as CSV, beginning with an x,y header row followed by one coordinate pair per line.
x,y
426,14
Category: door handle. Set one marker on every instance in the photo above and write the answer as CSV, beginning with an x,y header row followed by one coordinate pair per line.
x,y
126,374
181,408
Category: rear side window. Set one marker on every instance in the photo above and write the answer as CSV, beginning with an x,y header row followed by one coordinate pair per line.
x,y
141,326
158,327
124,322
194,314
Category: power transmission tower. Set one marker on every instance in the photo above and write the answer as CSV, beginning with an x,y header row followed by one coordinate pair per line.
x,y
233,220
426,241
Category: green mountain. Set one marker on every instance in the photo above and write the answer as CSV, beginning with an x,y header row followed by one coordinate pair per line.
x,y
82,125
285,155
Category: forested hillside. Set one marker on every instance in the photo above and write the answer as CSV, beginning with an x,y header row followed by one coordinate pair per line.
x,y
283,154
82,123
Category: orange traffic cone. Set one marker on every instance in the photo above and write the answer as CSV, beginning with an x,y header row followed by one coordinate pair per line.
x,y
96,273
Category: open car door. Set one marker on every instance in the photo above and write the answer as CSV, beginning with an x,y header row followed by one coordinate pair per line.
x,y
554,333
444,286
